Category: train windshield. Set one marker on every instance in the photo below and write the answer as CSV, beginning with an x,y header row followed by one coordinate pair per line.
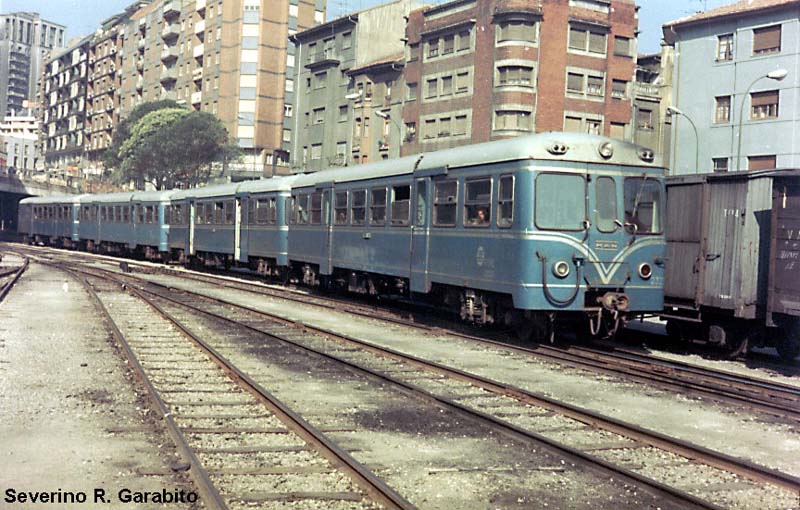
x,y
560,201
643,205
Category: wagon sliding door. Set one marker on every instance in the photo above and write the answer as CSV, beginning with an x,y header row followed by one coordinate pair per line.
x,y
420,278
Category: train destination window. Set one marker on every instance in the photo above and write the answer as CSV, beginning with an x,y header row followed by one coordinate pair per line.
x,y
316,208
358,211
642,205
560,202
478,203
377,206
605,198
401,202
262,211
505,201
444,203
340,208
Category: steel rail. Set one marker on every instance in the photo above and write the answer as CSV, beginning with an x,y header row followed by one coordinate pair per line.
x,y
499,425
17,272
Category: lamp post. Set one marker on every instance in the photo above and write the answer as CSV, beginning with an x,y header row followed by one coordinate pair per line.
x,y
348,150
674,111
386,116
777,75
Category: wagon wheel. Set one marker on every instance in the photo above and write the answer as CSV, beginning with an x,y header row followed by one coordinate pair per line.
x,y
736,343
534,328
788,345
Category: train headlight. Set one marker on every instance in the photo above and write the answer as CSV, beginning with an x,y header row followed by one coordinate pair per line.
x,y
606,150
645,271
561,269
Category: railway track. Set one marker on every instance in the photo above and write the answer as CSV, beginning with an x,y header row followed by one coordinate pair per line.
x,y
225,425
594,438
10,275
775,399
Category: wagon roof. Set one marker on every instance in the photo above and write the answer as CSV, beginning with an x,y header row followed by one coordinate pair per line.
x,y
282,183
385,168
207,191
107,197
734,176
60,199
152,196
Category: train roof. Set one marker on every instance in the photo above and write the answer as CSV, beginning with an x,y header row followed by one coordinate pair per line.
x,y
280,183
775,173
60,199
553,145
104,198
207,191
153,196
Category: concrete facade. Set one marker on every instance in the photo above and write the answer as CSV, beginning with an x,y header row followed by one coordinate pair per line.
x,y
721,59
652,94
479,70
25,39
20,136
348,89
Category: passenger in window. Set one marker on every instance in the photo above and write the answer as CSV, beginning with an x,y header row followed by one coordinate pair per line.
x,y
481,217
341,217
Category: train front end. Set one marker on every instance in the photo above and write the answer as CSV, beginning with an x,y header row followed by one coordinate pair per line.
x,y
598,247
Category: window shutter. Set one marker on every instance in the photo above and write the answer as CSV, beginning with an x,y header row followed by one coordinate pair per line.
x,y
577,39
597,42
767,38
575,82
761,162
764,98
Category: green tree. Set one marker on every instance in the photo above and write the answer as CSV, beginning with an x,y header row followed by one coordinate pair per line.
x,y
173,145
111,158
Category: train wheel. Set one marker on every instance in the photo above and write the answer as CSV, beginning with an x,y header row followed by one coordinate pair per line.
x,y
534,327
737,344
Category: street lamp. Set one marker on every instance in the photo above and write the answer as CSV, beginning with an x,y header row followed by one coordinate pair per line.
x,y
674,111
777,75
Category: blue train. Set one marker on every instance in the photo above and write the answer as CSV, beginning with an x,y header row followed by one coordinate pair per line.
x,y
517,232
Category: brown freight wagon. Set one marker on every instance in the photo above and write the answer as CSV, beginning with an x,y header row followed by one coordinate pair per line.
x,y
733,272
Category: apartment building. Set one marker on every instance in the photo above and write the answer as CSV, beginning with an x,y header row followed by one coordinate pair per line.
x,y
652,95
479,70
25,39
737,73
19,135
63,111
348,89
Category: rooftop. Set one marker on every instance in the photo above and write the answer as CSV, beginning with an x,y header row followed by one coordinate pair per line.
x,y
731,10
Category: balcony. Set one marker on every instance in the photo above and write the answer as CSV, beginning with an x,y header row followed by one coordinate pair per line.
x,y
197,74
169,74
326,57
197,97
140,44
170,32
198,51
647,89
170,53
140,84
200,27
200,6
139,64
171,9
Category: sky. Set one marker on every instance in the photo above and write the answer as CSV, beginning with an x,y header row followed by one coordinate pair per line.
x,y
84,16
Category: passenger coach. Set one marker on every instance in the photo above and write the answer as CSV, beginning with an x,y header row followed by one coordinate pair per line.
x,y
513,231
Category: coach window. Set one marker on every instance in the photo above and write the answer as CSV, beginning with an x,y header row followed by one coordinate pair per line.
x,y
401,203
605,204
301,209
125,214
340,208
478,203
505,201
230,212
377,206
272,211
149,214
219,212
199,213
262,211
642,205
358,212
140,214
444,203
104,213
251,211
560,202
316,208
209,213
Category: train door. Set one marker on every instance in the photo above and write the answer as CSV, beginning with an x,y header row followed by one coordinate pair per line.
x,y
420,225
246,218
192,220
605,234
327,225
237,229
721,281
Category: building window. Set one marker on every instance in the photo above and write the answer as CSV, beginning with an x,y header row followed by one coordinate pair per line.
x,y
447,85
287,110
319,80
449,43
720,164
343,113
761,162
725,48
464,40
411,91
411,131
515,120
515,75
585,85
287,135
767,40
619,89
433,48
316,151
617,130
582,39
462,82
517,30
764,105
644,119
429,130
431,88
460,125
622,46
319,115
347,40
723,111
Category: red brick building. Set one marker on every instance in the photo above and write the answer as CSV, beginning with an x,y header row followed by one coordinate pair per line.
x,y
479,70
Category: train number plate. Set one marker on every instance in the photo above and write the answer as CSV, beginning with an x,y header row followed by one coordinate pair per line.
x,y
605,245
